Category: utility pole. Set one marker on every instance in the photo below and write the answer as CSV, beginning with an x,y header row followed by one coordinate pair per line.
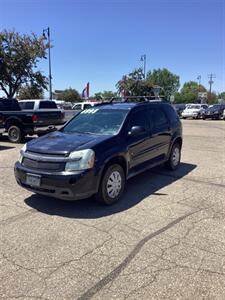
x,y
199,82
211,77
143,58
47,30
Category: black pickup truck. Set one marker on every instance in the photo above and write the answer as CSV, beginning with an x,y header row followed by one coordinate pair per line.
x,y
18,123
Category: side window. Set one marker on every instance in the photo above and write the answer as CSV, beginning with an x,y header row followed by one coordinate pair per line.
x,y
78,106
87,106
9,105
138,118
47,105
159,119
27,105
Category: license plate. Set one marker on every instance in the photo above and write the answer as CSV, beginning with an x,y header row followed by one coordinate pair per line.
x,y
33,180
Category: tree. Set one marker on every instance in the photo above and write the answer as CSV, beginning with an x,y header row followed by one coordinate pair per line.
x,y
212,98
134,84
70,95
104,95
19,55
189,92
168,81
30,92
222,96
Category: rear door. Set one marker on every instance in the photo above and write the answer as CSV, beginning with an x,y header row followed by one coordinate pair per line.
x,y
160,133
138,145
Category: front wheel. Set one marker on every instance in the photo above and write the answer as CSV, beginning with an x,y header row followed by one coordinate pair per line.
x,y
174,159
112,185
15,134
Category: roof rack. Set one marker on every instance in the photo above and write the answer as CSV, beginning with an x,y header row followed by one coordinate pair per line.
x,y
139,98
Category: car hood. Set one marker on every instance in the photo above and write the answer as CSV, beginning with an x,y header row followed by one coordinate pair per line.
x,y
212,109
64,143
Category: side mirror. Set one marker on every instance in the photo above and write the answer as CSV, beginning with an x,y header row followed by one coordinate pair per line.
x,y
136,130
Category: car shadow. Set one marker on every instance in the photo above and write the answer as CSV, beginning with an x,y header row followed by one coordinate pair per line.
x,y
5,147
137,189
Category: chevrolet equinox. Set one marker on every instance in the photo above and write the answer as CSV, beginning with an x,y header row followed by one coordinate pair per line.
x,y
99,149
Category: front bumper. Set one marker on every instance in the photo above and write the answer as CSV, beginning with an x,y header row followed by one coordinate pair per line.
x,y
61,185
189,115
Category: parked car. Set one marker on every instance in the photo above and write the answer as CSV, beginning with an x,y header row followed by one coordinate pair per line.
x,y
194,111
28,117
224,114
83,105
99,149
214,112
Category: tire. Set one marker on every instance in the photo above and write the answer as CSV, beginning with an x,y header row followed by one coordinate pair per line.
x,y
114,173
15,134
174,159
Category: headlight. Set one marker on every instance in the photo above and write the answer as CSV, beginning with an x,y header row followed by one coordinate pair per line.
x,y
81,160
22,152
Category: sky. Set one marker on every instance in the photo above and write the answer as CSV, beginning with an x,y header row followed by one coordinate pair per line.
x,y
101,40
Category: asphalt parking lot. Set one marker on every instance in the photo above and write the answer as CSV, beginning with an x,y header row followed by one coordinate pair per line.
x,y
164,240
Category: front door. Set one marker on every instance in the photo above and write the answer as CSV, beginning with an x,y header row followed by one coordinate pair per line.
x,y
138,145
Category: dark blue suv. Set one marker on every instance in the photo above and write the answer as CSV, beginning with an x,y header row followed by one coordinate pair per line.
x,y
99,149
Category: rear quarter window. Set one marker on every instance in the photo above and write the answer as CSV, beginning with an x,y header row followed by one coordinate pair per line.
x,y
47,105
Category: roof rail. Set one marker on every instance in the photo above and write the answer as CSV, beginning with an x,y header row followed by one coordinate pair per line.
x,y
139,98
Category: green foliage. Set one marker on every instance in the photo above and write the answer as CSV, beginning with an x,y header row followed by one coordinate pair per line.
x,y
222,96
212,98
104,95
189,92
70,95
168,81
19,55
134,85
30,92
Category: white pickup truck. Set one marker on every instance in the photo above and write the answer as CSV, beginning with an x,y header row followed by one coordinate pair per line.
x,y
194,111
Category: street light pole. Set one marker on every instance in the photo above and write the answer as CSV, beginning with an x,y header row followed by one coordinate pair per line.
x,y
47,30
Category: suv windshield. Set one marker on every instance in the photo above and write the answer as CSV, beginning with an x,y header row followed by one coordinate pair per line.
x,y
97,121
193,107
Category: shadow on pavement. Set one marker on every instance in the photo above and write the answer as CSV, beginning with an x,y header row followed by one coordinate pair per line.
x,y
4,139
138,188
5,147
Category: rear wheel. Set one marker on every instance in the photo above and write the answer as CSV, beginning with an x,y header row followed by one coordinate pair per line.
x,y
174,159
112,185
15,134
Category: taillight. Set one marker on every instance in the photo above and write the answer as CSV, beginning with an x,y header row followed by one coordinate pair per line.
x,y
34,118
62,115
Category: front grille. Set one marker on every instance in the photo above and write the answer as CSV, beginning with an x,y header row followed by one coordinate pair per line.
x,y
40,165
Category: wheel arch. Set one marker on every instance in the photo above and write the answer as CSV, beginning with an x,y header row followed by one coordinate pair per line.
x,y
13,121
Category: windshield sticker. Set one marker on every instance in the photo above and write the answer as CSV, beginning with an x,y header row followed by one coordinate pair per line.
x,y
89,111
